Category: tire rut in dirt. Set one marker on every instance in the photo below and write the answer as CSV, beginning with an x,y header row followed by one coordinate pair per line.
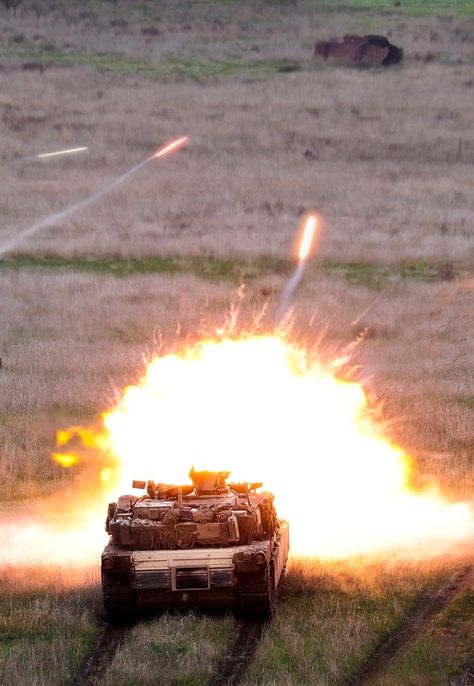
x,y
233,665
427,606
96,662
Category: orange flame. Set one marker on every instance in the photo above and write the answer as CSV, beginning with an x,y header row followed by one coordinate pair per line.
x,y
172,146
65,459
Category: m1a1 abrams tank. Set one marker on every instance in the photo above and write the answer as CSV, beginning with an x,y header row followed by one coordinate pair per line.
x,y
208,544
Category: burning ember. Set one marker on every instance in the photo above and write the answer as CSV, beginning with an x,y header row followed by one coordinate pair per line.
x,y
307,240
170,147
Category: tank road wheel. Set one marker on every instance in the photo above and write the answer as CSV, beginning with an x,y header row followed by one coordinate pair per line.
x,y
267,604
257,600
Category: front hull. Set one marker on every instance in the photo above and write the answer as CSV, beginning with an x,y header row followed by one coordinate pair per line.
x,y
228,577
212,598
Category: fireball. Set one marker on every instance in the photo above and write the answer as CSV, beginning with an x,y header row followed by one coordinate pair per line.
x,y
270,410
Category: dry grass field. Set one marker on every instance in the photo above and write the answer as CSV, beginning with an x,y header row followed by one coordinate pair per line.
x,y
83,303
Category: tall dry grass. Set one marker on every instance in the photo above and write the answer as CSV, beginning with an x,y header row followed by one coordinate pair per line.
x,y
70,342
389,152
171,649
226,29
331,616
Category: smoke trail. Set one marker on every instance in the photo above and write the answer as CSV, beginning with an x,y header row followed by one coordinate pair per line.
x,y
305,247
68,211
289,291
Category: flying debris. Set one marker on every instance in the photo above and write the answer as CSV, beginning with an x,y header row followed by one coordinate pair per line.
x,y
170,147
55,217
69,151
306,245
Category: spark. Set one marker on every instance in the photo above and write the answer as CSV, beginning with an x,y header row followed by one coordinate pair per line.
x,y
68,151
56,217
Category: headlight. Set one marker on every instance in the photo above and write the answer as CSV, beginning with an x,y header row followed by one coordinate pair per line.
x,y
107,562
221,577
259,557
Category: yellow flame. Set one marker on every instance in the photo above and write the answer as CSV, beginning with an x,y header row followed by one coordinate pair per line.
x,y
262,407
65,459
269,410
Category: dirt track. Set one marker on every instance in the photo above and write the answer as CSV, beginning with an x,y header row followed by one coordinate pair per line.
x,y
427,606
230,669
102,653
234,663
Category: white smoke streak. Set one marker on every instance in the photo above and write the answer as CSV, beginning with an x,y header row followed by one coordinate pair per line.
x,y
289,291
56,217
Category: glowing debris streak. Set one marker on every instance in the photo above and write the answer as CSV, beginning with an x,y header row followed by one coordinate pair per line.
x,y
68,151
170,147
308,237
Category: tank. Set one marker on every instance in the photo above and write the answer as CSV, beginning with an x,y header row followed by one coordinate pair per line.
x,y
208,544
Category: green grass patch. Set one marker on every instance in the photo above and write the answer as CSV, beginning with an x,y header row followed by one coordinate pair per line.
x,y
155,11
171,650
237,269
170,68
320,636
44,626
377,276
208,267
442,653
416,7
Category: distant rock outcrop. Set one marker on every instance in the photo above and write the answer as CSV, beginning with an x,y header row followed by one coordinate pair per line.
x,y
366,51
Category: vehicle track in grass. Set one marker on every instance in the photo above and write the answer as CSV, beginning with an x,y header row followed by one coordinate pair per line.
x,y
95,663
428,605
234,663
467,679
